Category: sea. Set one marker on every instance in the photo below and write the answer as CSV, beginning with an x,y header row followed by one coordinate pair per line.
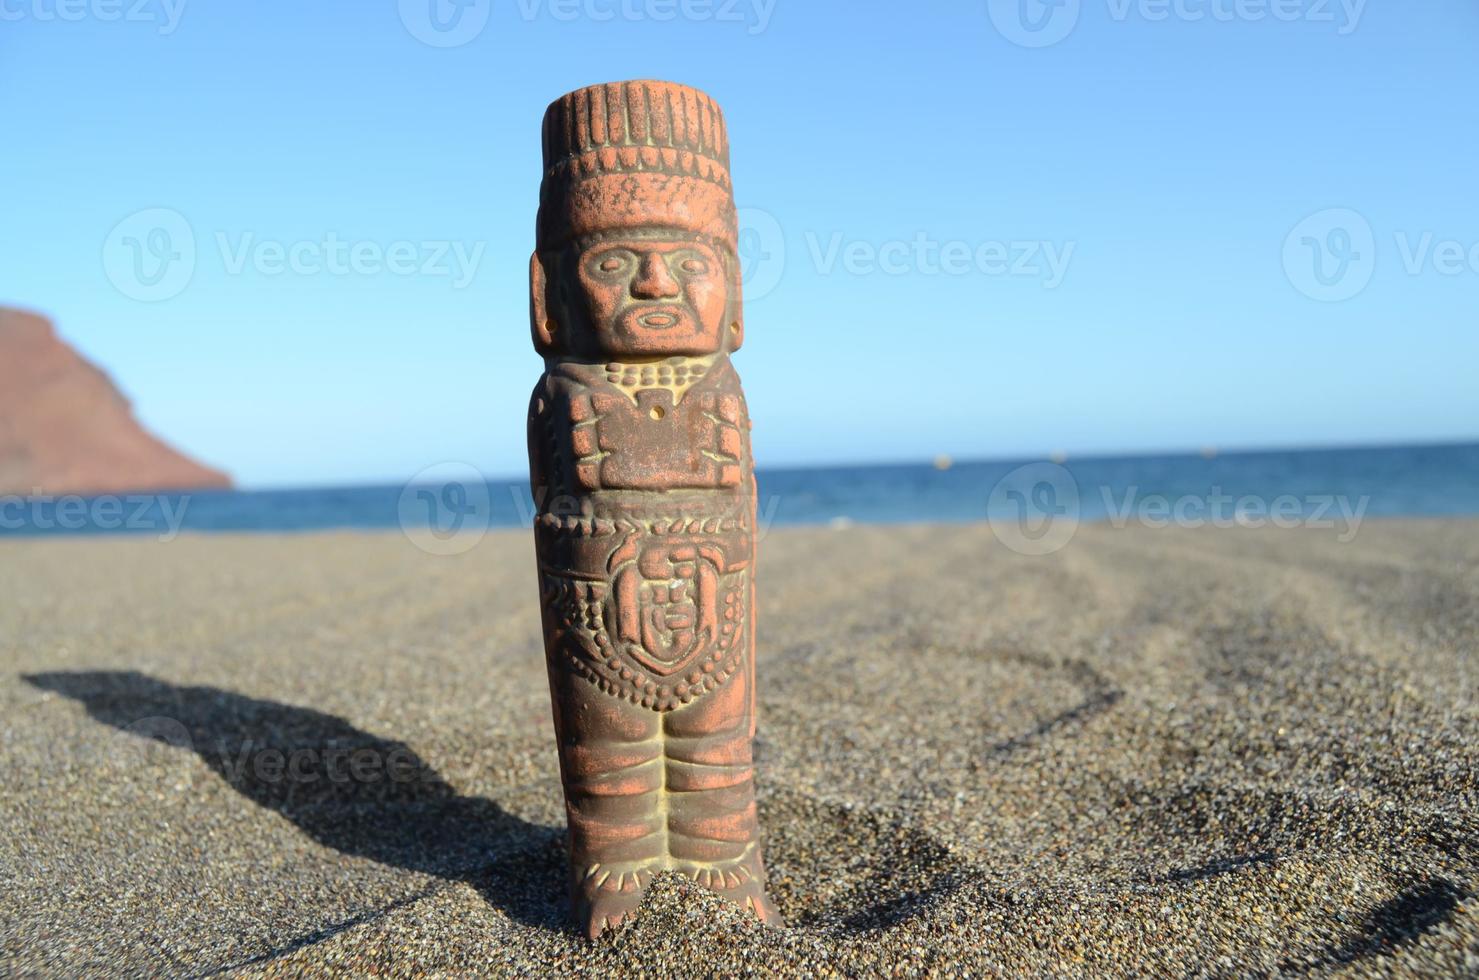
x,y
1335,488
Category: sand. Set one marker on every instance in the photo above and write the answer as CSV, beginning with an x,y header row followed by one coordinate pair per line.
x,y
1157,752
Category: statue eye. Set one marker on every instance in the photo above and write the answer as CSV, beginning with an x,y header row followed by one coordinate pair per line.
x,y
611,263
696,267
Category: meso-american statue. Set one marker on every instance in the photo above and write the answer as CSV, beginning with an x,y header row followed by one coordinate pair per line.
x,y
639,454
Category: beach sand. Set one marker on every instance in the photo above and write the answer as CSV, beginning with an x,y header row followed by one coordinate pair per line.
x,y
1156,752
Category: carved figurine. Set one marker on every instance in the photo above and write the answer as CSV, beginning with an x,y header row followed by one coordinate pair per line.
x,y
639,455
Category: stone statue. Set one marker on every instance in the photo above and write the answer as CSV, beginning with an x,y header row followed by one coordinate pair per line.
x,y
639,455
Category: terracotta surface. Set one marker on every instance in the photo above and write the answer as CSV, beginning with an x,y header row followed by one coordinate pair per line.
x,y
639,450
65,428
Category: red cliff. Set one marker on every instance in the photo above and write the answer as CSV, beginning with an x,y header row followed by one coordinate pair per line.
x,y
64,427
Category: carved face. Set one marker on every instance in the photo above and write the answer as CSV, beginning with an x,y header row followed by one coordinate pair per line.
x,y
652,297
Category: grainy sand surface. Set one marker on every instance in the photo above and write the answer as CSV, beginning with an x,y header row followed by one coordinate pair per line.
x,y
1167,753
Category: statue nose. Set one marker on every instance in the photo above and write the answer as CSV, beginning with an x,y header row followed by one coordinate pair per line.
x,y
654,281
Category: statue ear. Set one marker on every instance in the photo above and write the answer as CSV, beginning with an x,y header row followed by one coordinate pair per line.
x,y
546,329
735,328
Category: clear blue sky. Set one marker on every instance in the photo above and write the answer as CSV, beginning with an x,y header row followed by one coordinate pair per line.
x,y
1164,152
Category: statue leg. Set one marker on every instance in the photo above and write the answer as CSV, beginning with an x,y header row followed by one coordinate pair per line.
x,y
611,762
713,830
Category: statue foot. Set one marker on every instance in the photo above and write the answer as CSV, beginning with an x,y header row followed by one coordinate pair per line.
x,y
609,895
740,882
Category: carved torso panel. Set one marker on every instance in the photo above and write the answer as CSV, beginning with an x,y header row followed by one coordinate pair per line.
x,y
646,529
591,434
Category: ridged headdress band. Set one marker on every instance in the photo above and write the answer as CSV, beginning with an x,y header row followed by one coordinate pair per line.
x,y
635,153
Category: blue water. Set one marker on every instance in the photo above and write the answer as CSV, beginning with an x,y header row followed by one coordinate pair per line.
x,y
1245,487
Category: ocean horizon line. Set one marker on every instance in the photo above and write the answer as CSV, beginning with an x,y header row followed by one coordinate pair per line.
x,y
1056,456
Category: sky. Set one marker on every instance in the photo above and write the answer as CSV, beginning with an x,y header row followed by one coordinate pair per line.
x,y
297,234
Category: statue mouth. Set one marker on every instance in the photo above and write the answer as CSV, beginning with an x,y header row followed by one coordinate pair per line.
x,y
657,328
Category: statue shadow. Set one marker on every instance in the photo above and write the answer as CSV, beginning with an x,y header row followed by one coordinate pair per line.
x,y
349,790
